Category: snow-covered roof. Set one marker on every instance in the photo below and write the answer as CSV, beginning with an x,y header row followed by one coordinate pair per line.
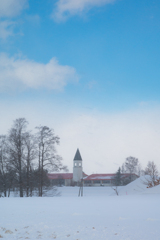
x,y
99,177
86,177
105,176
60,175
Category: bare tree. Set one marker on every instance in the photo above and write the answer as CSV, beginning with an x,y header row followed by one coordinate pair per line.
x,y
3,166
116,189
29,156
117,181
7,175
152,171
47,157
131,164
16,147
123,170
139,170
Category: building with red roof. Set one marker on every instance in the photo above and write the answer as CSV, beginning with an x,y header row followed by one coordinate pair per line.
x,y
107,179
70,179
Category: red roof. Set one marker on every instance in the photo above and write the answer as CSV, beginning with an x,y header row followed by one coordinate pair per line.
x,y
99,177
60,175
86,178
105,176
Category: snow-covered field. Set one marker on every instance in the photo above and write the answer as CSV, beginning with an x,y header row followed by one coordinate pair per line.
x,y
100,214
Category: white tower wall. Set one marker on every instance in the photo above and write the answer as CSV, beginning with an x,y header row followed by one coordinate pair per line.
x,y
77,170
77,167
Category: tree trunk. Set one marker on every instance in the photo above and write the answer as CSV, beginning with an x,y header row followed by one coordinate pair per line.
x,y
20,185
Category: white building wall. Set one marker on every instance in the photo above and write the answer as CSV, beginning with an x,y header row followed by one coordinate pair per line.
x,y
68,182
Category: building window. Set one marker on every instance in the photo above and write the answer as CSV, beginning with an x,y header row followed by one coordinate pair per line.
x,y
87,182
75,164
106,181
97,181
79,164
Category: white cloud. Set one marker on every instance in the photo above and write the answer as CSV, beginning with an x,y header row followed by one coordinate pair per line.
x,y
12,8
6,29
20,73
8,10
66,8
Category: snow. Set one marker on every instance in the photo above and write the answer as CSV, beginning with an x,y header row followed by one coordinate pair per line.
x,y
99,214
135,187
102,177
139,186
153,190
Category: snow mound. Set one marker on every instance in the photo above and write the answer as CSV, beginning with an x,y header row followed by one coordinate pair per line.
x,y
139,187
153,190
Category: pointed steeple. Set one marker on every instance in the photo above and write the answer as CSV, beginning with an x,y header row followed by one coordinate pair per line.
x,y
77,156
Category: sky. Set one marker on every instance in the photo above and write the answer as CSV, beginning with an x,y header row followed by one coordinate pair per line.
x,y
89,69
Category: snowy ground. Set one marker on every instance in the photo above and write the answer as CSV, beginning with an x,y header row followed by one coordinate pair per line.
x,y
133,215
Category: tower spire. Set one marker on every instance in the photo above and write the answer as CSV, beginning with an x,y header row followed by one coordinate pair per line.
x,y
77,156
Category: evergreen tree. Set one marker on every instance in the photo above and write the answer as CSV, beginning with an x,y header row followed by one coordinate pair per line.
x,y
118,180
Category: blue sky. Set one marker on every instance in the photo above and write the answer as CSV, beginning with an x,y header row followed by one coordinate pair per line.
x,y
89,67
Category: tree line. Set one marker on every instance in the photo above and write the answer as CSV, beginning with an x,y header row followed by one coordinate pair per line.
x,y
133,166
25,159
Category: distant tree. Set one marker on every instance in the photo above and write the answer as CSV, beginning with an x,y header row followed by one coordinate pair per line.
x,y
123,170
117,181
131,164
152,171
20,151
16,149
118,178
29,156
3,166
139,170
47,157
